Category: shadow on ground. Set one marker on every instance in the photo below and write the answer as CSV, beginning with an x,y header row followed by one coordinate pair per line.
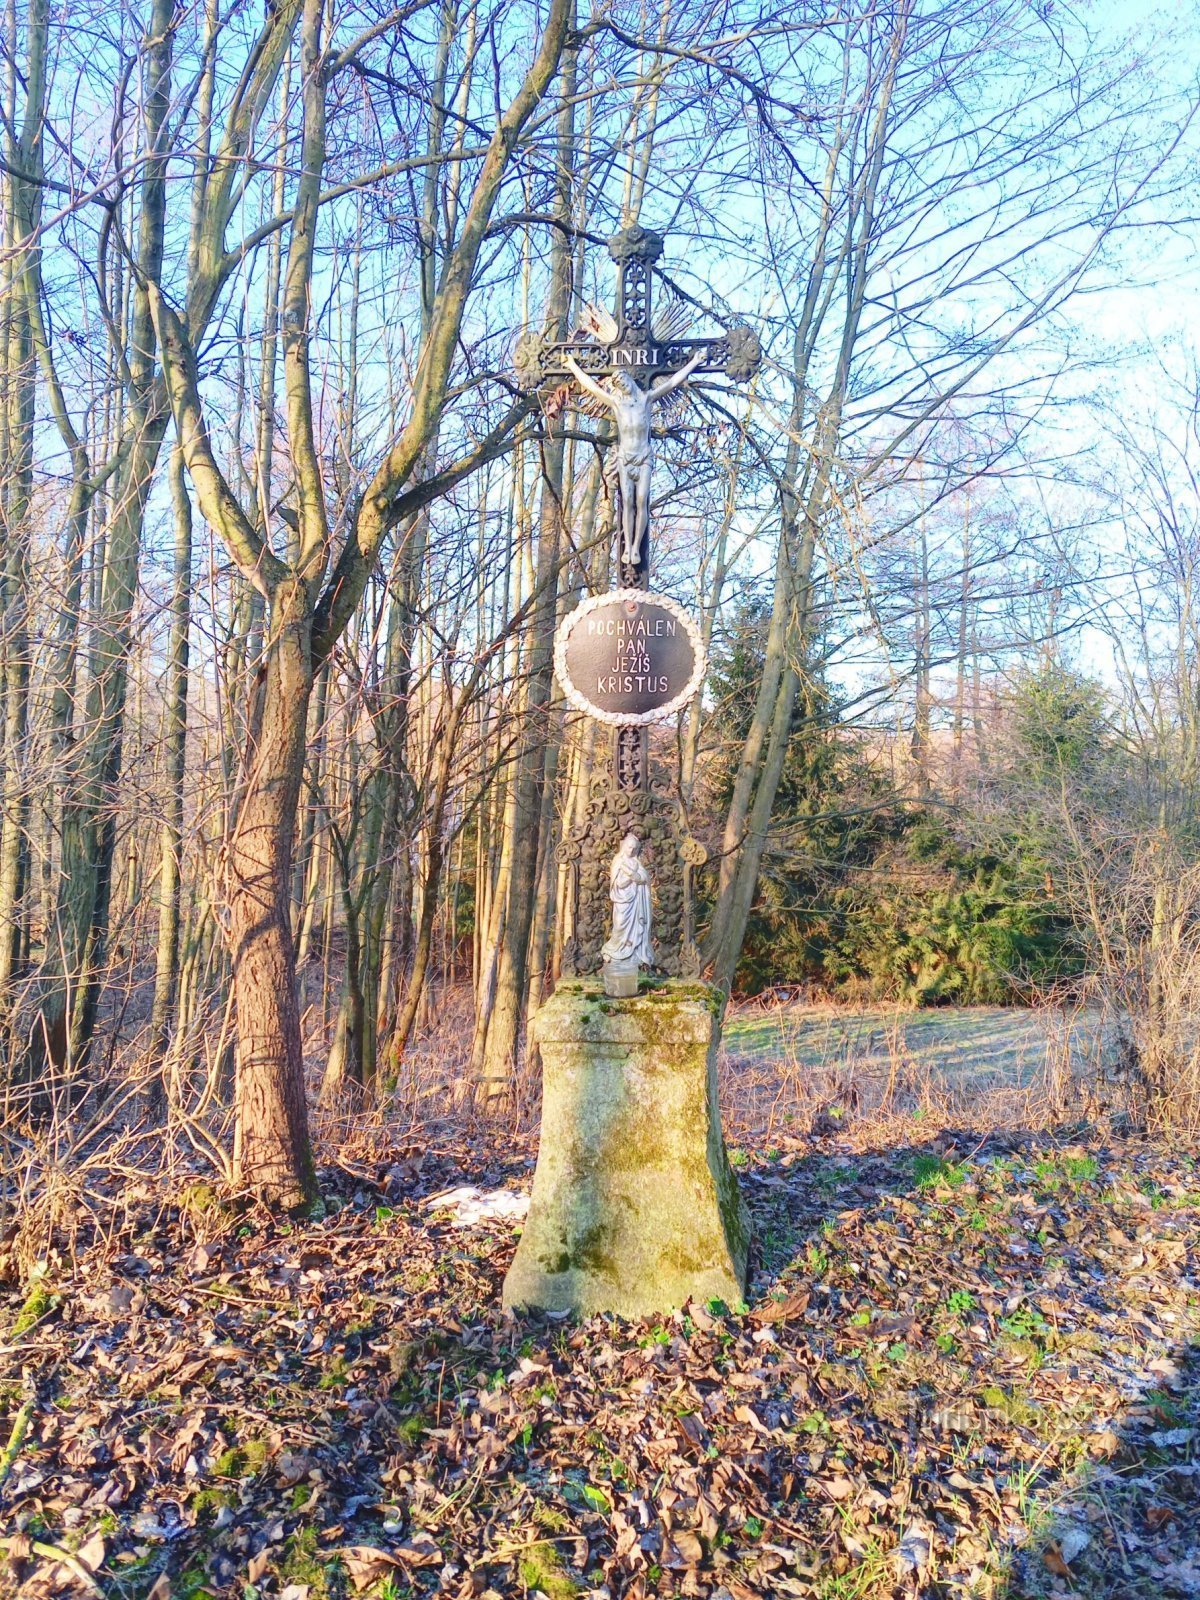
x,y
1027,1307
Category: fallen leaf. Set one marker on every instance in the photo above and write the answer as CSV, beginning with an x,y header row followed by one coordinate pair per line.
x,y
683,1550
365,1565
20,1548
750,1417
91,1553
1072,1543
914,1549
292,1466
1053,1561
1103,1444
420,1551
782,1310
1172,1436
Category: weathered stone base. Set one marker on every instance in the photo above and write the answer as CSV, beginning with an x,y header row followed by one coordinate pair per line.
x,y
635,1208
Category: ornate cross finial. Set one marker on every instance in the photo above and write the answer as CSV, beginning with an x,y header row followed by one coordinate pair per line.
x,y
627,360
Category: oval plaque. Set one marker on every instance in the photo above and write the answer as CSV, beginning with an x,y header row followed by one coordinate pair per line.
x,y
628,657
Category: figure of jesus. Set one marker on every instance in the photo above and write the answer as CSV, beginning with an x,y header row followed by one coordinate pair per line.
x,y
629,889
630,405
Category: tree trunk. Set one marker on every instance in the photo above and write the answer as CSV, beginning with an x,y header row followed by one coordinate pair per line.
x,y
804,492
272,1152
310,606
75,943
922,691
166,972
22,212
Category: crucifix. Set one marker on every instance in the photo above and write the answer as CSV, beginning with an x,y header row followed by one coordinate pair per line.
x,y
632,409
625,361
630,657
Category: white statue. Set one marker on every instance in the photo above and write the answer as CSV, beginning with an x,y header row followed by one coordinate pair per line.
x,y
629,889
630,405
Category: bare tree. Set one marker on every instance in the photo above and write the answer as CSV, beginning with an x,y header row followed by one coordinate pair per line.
x,y
311,593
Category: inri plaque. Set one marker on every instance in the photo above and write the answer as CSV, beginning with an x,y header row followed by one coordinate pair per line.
x,y
629,657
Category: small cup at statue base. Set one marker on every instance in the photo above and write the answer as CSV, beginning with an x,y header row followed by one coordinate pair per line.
x,y
620,979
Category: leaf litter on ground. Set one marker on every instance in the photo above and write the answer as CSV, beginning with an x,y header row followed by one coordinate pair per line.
x,y
965,1370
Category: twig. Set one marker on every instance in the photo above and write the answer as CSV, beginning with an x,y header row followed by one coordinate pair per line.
x,y
1120,1543
234,1299
53,1552
471,1484
502,1552
16,1439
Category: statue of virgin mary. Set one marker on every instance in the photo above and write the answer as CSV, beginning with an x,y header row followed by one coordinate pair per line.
x,y
629,888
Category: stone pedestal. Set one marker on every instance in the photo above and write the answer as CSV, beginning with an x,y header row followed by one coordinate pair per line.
x,y
635,1208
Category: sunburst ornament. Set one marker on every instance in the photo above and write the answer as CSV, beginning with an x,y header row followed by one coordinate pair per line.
x,y
596,320
672,319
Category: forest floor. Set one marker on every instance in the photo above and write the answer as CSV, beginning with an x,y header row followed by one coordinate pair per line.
x,y
969,1365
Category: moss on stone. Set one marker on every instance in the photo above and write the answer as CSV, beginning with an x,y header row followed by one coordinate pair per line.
x,y
206,1503
550,1517
242,1460
202,1200
1014,1406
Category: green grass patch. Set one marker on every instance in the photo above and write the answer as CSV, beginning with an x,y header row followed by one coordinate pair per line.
x,y
302,1566
935,1172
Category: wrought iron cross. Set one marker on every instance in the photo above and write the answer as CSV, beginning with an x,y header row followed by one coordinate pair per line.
x,y
646,344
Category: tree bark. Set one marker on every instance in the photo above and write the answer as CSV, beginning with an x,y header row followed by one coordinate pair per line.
x,y
166,973
804,492
308,607
272,1151
22,212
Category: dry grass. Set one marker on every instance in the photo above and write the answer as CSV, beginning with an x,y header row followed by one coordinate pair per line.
x,y
819,1069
